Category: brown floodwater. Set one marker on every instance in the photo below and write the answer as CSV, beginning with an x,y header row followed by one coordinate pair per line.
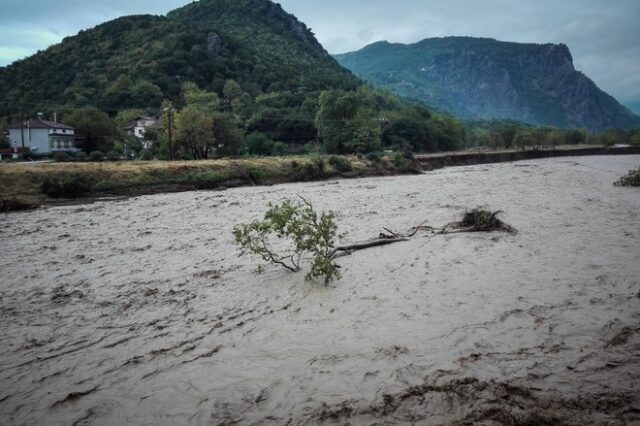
x,y
140,311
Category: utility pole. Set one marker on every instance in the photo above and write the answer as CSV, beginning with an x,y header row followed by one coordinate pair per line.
x,y
170,134
22,127
383,124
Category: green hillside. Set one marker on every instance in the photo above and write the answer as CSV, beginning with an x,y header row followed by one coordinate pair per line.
x,y
137,61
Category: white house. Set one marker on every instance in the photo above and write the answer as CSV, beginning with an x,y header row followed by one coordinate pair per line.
x,y
138,126
42,136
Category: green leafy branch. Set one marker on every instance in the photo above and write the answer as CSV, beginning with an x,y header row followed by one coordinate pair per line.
x,y
304,233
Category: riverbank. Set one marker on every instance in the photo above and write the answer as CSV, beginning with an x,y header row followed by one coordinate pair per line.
x,y
26,186
456,159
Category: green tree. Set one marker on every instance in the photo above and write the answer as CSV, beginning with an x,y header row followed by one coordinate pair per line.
x,y
236,98
97,129
123,118
480,137
345,124
366,133
195,133
407,130
259,144
555,138
298,232
575,137
119,92
4,126
193,96
508,134
232,90
447,133
523,139
229,135
610,138
146,94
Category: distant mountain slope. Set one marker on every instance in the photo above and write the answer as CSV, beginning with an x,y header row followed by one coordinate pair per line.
x,y
479,78
139,60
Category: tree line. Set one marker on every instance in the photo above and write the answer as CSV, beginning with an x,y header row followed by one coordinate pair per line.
x,y
203,124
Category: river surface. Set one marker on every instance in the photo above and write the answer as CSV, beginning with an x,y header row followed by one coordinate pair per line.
x,y
141,312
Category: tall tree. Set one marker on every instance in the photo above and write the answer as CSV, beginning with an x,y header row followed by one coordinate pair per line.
x,y
345,124
97,129
195,132
193,96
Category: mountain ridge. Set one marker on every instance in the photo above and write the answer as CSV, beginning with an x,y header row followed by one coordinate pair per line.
x,y
483,78
255,42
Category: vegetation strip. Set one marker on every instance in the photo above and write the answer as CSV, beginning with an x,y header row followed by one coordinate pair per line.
x,y
27,185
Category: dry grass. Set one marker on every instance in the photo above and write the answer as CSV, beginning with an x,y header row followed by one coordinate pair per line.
x,y
27,181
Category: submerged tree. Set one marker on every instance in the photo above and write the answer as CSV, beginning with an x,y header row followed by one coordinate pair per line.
x,y
630,179
290,232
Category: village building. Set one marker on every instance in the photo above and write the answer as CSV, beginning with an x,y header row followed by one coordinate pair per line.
x,y
138,127
42,136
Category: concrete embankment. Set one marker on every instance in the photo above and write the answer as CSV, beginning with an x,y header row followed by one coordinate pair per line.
x,y
432,162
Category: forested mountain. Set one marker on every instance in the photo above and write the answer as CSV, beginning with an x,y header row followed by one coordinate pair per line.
x,y
137,61
477,78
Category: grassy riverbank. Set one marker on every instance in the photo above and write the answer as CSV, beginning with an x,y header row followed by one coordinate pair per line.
x,y
28,185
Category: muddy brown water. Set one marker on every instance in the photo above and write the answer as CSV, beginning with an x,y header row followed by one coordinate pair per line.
x,y
141,312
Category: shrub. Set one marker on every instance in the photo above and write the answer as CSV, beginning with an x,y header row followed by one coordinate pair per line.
x,y
630,179
399,160
61,157
113,156
318,163
279,149
68,186
96,156
259,144
146,155
304,233
374,157
307,172
253,173
204,180
80,156
341,164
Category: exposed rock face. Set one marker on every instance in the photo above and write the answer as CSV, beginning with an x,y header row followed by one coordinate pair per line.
x,y
214,43
484,78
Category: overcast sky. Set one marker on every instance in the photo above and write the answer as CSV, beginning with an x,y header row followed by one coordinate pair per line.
x,y
603,35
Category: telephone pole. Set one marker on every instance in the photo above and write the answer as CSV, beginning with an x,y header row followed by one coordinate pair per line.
x,y
22,127
171,134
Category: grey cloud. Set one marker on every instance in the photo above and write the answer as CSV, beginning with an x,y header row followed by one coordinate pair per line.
x,y
603,36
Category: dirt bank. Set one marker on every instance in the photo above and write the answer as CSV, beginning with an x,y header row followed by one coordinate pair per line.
x,y
140,312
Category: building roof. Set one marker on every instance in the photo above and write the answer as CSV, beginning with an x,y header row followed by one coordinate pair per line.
x,y
134,123
36,123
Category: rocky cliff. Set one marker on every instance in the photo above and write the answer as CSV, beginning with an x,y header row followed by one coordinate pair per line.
x,y
484,78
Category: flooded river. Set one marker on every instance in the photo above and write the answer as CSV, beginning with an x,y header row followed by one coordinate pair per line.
x,y
140,311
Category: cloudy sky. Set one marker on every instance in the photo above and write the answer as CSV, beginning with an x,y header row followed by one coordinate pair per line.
x,y
603,35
